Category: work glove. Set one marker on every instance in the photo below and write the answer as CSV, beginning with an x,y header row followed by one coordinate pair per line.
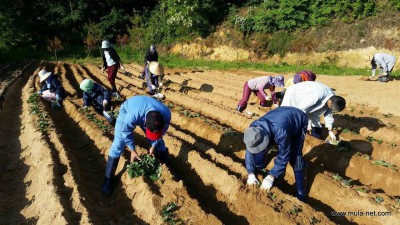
x,y
309,127
105,102
122,68
153,87
252,180
332,136
267,98
102,69
160,85
267,183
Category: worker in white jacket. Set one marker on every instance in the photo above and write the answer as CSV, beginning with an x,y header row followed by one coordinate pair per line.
x,y
315,99
385,62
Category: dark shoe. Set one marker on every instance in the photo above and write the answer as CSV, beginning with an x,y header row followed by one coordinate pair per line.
x,y
383,79
112,164
240,108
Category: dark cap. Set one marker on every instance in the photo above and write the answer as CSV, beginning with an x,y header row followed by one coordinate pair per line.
x,y
154,125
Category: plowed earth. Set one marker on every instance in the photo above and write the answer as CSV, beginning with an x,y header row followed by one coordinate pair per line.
x,y
54,177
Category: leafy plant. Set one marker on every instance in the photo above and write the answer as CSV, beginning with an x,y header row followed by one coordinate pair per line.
x,y
345,130
168,214
271,195
363,190
148,166
99,123
393,144
379,199
372,139
295,210
389,115
42,123
383,163
314,220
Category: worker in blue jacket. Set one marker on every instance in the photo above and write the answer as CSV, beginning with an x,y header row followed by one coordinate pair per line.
x,y
286,127
152,117
95,95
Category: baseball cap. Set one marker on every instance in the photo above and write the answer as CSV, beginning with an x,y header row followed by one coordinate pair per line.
x,y
154,125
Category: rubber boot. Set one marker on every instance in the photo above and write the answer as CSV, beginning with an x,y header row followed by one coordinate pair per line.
x,y
112,164
240,108
301,183
316,132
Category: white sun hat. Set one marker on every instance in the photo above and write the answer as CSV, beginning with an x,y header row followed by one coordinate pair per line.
x,y
105,44
156,68
43,74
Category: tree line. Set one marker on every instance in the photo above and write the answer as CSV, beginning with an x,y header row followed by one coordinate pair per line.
x,y
37,23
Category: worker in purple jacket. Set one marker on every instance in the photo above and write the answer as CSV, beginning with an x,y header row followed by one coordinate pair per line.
x,y
286,127
258,86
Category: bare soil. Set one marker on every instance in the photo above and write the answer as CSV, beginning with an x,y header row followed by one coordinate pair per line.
x,y
55,177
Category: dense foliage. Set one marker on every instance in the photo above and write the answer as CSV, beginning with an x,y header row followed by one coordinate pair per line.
x,y
33,24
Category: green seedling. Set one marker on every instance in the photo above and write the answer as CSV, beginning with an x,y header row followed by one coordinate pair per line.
x,y
314,220
337,177
367,157
168,214
295,210
393,144
42,123
389,115
148,166
352,109
370,139
363,190
379,199
126,73
271,195
383,163
114,114
347,182
345,130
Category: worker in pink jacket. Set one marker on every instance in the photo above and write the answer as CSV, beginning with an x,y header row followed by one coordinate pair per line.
x,y
257,86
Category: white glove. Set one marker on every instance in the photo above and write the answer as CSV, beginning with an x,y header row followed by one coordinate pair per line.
x,y
309,127
252,179
122,68
384,74
267,183
102,69
153,87
160,84
105,102
267,98
332,136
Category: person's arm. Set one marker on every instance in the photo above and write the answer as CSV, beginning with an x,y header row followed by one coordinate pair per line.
x,y
273,94
328,118
283,156
127,131
86,99
59,89
106,94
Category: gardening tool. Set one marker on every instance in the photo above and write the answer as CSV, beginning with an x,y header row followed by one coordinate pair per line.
x,y
108,117
112,164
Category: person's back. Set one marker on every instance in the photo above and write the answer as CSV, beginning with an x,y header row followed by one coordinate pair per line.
x,y
308,96
139,106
